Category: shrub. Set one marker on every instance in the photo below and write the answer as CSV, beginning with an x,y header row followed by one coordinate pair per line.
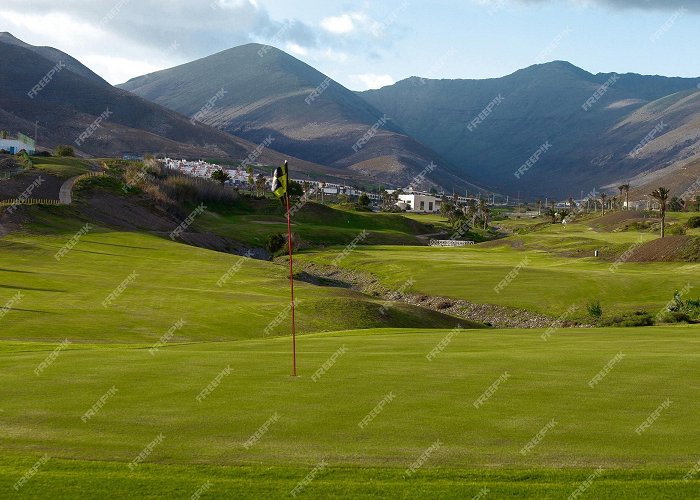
x,y
594,309
275,243
675,317
364,200
64,150
675,229
295,189
639,318
45,154
693,222
193,190
220,176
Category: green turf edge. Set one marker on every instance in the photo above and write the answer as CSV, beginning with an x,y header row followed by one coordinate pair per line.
x,y
61,478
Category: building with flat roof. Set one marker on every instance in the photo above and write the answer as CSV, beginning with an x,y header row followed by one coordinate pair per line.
x,y
14,146
419,202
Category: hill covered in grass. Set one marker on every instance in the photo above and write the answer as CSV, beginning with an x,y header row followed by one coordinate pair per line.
x,y
173,281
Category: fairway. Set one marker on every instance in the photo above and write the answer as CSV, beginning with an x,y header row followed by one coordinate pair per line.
x,y
64,298
400,404
546,281
318,419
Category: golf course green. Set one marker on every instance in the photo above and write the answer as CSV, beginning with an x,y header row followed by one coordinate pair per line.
x,y
132,365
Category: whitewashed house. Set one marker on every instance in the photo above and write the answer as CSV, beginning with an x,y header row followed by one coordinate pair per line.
x,y
14,146
419,202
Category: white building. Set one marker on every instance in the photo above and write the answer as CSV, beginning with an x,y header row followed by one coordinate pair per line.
x,y
419,202
14,146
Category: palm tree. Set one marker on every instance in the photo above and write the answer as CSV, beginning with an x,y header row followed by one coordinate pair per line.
x,y
661,195
260,185
572,204
472,211
251,178
483,210
487,211
626,189
613,203
603,198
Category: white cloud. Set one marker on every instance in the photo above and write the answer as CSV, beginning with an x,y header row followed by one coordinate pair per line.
x,y
621,4
373,81
339,25
296,49
358,22
118,69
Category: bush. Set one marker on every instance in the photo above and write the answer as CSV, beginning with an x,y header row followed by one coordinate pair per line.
x,y
275,243
193,190
675,229
64,150
693,222
639,318
594,309
675,317
295,189
44,154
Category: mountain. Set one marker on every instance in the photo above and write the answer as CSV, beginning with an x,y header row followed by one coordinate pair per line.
x,y
53,55
681,112
259,91
73,97
541,109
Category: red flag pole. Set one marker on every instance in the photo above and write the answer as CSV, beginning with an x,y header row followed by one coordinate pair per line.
x,y
291,287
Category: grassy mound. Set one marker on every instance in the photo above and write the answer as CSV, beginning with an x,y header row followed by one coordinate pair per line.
x,y
63,298
669,249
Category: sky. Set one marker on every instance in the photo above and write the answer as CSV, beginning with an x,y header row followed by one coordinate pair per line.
x,y
369,44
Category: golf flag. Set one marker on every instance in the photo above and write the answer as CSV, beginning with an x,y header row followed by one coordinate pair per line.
x,y
280,183
280,180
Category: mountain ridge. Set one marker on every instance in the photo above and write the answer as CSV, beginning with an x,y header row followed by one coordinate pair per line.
x,y
71,101
540,103
271,93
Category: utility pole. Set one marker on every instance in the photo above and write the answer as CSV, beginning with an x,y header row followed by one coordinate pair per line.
x,y
36,128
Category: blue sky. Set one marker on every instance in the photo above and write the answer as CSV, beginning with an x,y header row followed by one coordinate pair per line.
x,y
367,44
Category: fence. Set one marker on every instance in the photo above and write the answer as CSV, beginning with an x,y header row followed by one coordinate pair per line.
x,y
450,243
29,201
88,175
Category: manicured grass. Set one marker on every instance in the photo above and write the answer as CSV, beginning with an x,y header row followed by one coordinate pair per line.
x,y
63,299
318,225
85,479
548,282
62,167
318,420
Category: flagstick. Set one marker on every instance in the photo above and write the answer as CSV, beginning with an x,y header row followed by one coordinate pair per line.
x,y
291,286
